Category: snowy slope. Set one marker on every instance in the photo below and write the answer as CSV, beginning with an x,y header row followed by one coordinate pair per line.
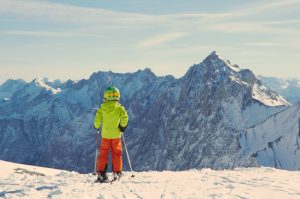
x,y
262,94
23,181
275,141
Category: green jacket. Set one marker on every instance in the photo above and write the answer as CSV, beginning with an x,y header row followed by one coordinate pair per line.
x,y
110,115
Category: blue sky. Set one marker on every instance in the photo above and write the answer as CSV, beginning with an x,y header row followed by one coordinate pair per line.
x,y
70,39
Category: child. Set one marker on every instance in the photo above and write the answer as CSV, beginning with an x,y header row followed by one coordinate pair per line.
x,y
113,117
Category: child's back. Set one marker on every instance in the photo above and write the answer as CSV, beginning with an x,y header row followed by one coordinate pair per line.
x,y
113,118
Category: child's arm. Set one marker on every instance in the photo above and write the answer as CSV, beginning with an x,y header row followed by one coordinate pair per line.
x,y
123,119
98,119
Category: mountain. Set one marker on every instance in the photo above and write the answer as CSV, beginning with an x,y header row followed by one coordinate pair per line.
x,y
23,181
276,141
56,84
289,88
175,124
8,88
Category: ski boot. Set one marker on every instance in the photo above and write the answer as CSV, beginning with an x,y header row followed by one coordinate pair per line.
x,y
117,176
102,178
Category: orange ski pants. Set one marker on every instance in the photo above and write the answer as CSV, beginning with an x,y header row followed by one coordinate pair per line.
x,y
115,146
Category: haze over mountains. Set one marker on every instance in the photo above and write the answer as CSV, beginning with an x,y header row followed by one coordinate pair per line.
x,y
217,115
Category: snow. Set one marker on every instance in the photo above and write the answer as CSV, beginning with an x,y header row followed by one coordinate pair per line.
x,y
24,181
260,112
285,85
260,93
232,67
237,80
276,140
40,83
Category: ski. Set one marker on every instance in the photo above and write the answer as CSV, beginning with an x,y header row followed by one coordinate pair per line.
x,y
104,182
107,181
115,179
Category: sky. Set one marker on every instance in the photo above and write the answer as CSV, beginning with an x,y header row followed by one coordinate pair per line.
x,y
71,39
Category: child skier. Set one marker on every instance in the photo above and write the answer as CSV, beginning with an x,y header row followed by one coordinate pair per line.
x,y
113,117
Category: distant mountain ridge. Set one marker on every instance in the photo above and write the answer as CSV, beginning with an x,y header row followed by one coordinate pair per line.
x,y
8,88
176,124
289,88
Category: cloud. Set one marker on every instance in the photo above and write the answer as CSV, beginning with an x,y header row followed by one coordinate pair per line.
x,y
255,18
278,4
266,7
44,10
250,27
65,13
266,44
45,33
100,20
161,39
282,22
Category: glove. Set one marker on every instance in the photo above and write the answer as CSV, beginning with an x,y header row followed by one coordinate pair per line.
x,y
122,129
96,128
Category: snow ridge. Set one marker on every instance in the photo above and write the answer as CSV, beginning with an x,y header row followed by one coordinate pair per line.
x,y
40,83
262,94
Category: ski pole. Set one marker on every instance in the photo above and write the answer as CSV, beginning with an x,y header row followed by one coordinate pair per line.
x,y
123,138
97,152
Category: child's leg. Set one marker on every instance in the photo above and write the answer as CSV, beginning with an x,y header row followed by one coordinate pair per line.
x,y
116,155
103,155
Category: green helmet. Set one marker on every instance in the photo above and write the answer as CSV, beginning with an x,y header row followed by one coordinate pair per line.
x,y
111,93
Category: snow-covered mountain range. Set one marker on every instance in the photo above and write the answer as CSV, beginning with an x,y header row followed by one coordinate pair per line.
x,y
203,119
8,88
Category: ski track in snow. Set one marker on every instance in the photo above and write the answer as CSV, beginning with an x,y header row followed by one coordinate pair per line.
x,y
23,181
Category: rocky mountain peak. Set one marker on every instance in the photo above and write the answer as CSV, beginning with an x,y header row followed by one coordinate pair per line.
x,y
225,79
216,61
214,66
146,73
